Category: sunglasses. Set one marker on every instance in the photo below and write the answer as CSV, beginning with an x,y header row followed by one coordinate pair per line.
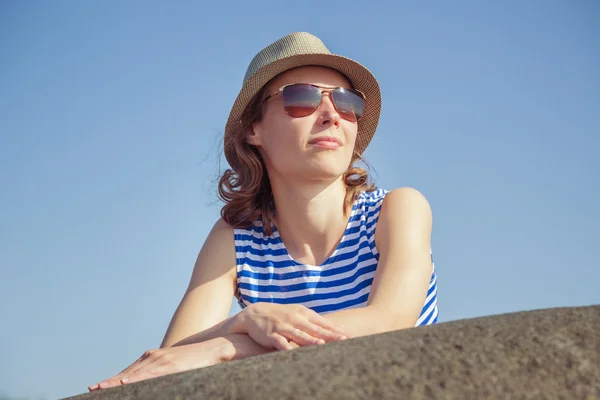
x,y
303,99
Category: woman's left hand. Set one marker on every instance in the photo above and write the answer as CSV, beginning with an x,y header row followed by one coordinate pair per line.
x,y
170,360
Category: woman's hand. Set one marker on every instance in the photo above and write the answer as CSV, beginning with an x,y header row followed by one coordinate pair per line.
x,y
279,325
170,360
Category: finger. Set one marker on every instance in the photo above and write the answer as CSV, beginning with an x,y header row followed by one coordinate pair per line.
x,y
109,383
142,360
135,363
133,368
105,384
322,333
148,358
99,386
279,342
294,345
140,376
116,380
158,369
303,339
323,322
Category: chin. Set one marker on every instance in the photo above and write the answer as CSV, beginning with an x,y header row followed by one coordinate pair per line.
x,y
327,169
322,166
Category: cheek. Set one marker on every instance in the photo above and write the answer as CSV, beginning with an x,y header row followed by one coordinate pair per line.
x,y
351,134
281,136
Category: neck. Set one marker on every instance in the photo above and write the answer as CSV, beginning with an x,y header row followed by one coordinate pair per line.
x,y
310,217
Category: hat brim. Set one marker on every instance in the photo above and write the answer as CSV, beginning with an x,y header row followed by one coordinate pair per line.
x,y
359,76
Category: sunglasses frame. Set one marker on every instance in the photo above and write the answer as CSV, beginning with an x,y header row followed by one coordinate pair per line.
x,y
323,89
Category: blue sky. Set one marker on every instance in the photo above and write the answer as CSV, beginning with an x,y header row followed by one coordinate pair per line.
x,y
111,118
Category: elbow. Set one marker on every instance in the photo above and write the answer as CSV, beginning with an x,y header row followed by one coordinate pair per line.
x,y
402,323
397,324
389,322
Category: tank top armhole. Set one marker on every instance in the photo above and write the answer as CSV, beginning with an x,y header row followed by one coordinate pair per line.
x,y
432,264
373,210
240,256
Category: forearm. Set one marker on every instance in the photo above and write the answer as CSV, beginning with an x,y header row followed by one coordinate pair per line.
x,y
368,321
222,329
240,345
362,321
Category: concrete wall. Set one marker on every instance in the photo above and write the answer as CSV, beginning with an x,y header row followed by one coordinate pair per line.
x,y
543,354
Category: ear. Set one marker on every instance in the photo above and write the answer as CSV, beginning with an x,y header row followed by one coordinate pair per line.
x,y
253,134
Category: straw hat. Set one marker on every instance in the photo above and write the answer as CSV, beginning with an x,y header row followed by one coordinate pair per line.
x,y
296,50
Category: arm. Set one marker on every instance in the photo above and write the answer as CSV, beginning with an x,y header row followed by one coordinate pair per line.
x,y
240,345
201,316
207,300
171,360
401,281
402,277
395,301
403,238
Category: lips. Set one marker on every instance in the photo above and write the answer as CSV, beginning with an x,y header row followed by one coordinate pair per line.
x,y
327,142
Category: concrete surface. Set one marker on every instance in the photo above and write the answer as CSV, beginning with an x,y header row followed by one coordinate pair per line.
x,y
542,354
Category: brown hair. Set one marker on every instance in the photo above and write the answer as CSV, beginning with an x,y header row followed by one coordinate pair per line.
x,y
247,192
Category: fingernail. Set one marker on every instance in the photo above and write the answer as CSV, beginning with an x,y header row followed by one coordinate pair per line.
x,y
341,337
320,341
124,380
93,387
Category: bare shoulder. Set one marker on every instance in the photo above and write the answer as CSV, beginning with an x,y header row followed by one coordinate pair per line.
x,y
222,229
404,211
217,255
406,199
220,239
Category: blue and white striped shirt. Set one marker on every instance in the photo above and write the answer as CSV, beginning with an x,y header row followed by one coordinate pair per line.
x,y
267,273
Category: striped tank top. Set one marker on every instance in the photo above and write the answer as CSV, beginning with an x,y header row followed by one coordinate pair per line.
x,y
267,273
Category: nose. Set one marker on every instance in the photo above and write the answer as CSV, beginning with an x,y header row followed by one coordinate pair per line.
x,y
328,113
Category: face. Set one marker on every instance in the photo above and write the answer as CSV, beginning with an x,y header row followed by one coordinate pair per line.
x,y
316,147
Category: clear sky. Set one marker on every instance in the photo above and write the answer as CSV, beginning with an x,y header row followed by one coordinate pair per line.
x,y
111,120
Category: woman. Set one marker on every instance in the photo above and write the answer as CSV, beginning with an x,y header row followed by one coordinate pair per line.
x,y
313,251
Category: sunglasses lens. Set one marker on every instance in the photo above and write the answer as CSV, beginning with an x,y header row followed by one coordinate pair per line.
x,y
301,99
349,103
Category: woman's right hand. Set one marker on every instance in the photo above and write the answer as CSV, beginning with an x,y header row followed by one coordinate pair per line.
x,y
276,325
